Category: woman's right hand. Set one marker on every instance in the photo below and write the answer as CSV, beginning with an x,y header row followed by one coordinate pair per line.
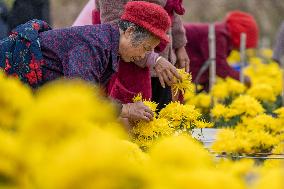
x,y
137,111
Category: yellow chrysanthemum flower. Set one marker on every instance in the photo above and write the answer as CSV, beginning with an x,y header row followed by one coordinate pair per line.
x,y
182,152
183,85
272,179
246,105
234,57
262,122
279,149
61,108
97,160
239,169
214,179
145,134
266,74
224,141
255,61
219,111
241,141
150,104
203,124
235,87
201,100
15,98
181,117
280,112
13,170
220,90
263,92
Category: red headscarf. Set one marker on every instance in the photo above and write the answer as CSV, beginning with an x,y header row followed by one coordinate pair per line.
x,y
239,22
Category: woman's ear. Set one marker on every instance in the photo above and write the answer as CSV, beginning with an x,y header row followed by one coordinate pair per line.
x,y
129,32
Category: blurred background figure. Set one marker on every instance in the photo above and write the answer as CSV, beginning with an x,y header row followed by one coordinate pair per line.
x,y
85,17
228,35
25,10
278,51
3,19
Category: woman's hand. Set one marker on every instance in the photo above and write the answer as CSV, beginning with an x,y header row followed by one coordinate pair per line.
x,y
136,111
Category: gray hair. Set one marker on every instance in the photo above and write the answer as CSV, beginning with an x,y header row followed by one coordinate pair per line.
x,y
140,33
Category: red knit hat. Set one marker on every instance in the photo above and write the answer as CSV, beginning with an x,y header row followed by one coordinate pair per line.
x,y
239,22
150,16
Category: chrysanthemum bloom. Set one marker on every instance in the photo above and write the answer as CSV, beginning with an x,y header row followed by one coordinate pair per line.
x,y
15,98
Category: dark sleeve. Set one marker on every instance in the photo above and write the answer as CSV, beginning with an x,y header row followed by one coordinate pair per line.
x,y
223,69
278,51
83,63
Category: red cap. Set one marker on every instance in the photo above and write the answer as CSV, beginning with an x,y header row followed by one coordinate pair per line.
x,y
239,22
150,16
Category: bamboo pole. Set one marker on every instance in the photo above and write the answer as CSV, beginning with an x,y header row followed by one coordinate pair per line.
x,y
212,59
243,56
212,56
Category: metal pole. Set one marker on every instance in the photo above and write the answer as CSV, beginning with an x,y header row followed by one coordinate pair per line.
x,y
212,56
243,55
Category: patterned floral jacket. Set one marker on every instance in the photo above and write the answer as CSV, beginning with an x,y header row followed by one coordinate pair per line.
x,y
36,54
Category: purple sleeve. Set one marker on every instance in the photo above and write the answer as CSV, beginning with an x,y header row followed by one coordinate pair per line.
x,y
149,60
81,63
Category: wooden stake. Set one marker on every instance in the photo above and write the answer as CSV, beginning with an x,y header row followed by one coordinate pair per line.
x,y
212,56
243,55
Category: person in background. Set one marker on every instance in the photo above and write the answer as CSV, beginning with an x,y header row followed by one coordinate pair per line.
x,y
125,88
228,34
36,54
24,10
85,16
278,51
3,20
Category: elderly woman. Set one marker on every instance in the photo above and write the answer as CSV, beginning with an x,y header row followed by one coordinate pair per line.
x,y
92,52
228,35
159,62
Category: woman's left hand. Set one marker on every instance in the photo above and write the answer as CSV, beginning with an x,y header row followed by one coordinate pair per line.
x,y
182,59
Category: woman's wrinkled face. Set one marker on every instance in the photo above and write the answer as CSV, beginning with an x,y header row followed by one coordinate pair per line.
x,y
133,51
